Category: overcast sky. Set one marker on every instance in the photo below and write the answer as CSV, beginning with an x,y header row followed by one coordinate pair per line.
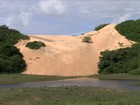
x,y
68,17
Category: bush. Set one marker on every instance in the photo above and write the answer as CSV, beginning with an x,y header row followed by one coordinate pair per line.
x,y
120,61
35,45
11,60
135,71
100,27
130,29
87,39
11,36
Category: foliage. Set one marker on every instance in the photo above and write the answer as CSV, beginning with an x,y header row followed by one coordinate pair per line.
x,y
35,45
130,29
11,36
100,27
87,39
120,61
11,60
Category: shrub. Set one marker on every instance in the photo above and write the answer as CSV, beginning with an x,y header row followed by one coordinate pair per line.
x,y
11,36
135,71
130,29
100,27
119,61
11,60
87,39
35,45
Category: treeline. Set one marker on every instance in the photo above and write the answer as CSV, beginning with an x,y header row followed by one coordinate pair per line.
x,y
126,60
11,60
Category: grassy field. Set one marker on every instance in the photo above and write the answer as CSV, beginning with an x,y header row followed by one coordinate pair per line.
x,y
21,78
116,76
67,96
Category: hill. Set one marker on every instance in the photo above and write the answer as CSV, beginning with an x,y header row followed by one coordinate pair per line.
x,y
68,55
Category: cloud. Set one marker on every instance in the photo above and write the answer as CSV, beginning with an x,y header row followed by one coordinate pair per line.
x,y
65,16
25,17
52,7
19,20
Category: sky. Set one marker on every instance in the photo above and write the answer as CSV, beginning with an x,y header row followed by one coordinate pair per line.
x,y
65,17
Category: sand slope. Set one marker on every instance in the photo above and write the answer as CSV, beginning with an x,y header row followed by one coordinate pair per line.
x,y
68,55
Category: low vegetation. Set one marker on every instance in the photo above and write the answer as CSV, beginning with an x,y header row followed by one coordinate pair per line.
x,y
121,76
87,39
23,78
11,60
35,45
67,96
100,27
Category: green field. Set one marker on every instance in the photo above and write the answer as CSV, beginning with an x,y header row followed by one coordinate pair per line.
x,y
116,76
67,96
21,78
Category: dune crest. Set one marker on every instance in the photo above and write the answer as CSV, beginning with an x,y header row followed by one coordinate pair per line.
x,y
68,55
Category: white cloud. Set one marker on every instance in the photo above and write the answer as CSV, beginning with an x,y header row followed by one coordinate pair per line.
x,y
71,15
25,17
52,7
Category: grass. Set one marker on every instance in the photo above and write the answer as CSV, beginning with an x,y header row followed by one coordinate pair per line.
x,y
67,96
122,76
22,78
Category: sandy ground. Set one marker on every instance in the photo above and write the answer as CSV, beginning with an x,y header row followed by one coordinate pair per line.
x,y
68,55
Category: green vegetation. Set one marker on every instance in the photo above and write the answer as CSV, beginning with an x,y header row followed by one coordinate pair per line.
x,y
23,78
87,39
35,45
100,27
130,29
11,60
11,36
122,76
126,60
67,96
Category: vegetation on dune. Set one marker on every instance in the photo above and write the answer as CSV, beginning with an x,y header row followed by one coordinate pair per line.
x,y
100,27
35,45
130,29
87,39
126,60
11,36
11,60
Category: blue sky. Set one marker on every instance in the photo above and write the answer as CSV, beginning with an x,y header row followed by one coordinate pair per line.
x,y
67,17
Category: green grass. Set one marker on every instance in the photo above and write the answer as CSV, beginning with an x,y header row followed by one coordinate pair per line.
x,y
22,78
67,96
116,76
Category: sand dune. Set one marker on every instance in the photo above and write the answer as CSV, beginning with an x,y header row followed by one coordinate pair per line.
x,y
68,55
